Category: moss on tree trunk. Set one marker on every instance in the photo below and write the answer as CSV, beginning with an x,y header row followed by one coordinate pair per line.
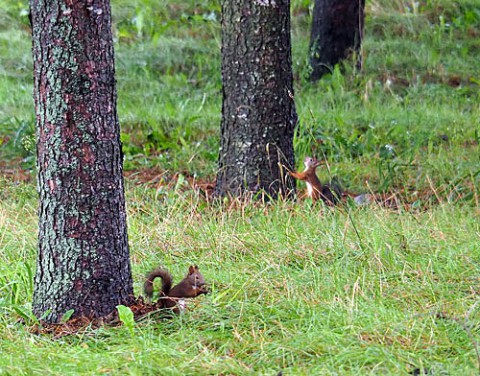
x,y
258,112
83,257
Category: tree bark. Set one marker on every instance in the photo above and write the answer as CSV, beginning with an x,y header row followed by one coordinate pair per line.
x,y
336,34
258,111
83,257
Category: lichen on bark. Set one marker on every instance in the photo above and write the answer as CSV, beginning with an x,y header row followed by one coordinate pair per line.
x,y
83,259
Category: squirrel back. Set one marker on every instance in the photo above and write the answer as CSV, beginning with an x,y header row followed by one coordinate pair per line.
x,y
189,287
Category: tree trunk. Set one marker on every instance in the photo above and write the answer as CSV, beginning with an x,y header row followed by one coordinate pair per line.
x,y
337,32
258,112
83,257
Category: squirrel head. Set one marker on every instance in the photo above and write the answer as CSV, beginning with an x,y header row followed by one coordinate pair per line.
x,y
196,279
311,163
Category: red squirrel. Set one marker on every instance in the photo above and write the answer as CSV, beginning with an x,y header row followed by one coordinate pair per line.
x,y
189,287
330,194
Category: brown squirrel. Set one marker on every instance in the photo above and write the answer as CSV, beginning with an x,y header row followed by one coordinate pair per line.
x,y
189,287
330,194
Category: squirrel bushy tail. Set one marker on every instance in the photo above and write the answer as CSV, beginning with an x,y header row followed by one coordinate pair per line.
x,y
166,282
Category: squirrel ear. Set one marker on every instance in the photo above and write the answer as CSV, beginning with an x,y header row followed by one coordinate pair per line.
x,y
191,269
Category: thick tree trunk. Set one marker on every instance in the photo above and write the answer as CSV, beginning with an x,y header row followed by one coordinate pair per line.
x,y
258,113
83,257
337,32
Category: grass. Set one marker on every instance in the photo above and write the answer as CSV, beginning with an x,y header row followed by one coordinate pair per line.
x,y
304,290
358,291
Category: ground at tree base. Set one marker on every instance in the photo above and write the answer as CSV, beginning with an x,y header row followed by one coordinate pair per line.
x,y
140,308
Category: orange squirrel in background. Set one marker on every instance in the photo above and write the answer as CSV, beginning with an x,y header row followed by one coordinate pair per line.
x,y
330,194
189,287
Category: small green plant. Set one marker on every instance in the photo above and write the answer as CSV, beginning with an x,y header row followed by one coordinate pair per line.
x,y
125,315
67,316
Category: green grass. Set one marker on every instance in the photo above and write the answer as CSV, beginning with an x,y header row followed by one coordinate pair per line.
x,y
305,290
349,292
419,86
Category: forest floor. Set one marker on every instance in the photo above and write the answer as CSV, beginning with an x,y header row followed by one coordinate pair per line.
x,y
303,289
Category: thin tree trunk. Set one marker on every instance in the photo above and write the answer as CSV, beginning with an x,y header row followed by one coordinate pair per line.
x,y
258,112
83,257
337,33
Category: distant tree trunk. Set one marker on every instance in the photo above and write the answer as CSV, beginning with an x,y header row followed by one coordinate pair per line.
x,y
83,257
258,112
337,32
